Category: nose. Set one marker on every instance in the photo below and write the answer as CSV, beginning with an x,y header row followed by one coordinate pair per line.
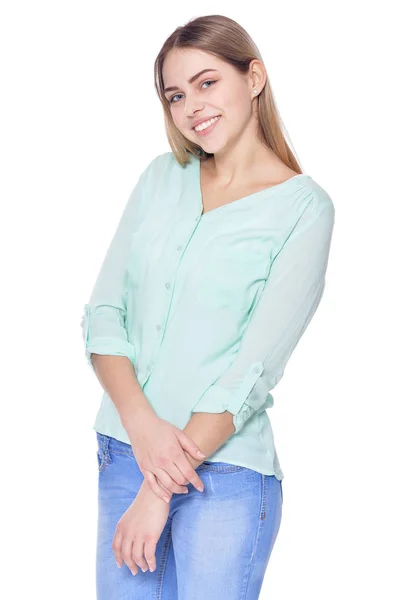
x,y
192,106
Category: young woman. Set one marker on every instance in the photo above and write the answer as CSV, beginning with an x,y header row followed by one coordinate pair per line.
x,y
216,268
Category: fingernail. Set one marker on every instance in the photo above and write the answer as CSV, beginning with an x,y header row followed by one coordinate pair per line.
x,y
185,491
133,573
144,570
152,569
200,454
200,489
166,498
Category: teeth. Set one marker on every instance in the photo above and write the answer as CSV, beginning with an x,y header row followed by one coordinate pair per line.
x,y
206,124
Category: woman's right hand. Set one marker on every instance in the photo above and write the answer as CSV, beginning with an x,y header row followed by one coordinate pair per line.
x,y
158,447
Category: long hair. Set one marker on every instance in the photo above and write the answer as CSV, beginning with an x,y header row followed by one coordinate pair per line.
x,y
226,39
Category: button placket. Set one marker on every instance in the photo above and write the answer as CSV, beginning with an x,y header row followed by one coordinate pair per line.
x,y
168,286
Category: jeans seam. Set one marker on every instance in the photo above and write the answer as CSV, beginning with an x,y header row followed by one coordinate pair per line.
x,y
164,557
264,497
264,484
104,452
112,451
221,470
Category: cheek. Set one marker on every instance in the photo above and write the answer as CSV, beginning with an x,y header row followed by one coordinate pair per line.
x,y
177,119
240,112
237,105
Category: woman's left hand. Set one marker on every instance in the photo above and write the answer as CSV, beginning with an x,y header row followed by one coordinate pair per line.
x,y
139,529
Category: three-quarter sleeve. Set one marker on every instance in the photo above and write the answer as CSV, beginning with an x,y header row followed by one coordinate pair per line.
x,y
104,318
289,299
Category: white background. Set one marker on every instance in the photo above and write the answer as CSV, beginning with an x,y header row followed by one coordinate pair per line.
x,y
80,120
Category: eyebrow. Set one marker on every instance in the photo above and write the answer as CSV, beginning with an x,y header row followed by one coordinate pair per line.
x,y
191,80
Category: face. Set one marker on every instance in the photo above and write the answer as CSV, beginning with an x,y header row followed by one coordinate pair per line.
x,y
220,92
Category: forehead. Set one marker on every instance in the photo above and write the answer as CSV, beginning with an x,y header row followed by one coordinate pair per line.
x,y
181,64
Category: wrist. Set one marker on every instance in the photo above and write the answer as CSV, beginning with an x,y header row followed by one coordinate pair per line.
x,y
146,490
137,418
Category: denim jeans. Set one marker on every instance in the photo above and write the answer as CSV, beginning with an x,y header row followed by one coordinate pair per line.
x,y
215,544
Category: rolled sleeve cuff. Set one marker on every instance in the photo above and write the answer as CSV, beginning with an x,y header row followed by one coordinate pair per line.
x,y
240,402
110,345
107,346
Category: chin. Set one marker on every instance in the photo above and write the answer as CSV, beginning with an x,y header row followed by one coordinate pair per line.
x,y
213,148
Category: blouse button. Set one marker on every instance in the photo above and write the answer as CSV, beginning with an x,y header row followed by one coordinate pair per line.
x,y
179,248
159,327
167,285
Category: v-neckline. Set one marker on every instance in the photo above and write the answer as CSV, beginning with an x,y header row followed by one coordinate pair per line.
x,y
263,192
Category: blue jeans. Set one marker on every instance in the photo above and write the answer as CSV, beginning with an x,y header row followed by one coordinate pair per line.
x,y
215,544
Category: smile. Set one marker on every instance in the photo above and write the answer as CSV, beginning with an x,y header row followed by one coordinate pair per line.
x,y
207,126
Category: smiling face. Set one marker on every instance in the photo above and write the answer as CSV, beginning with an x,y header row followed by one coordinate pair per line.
x,y
199,86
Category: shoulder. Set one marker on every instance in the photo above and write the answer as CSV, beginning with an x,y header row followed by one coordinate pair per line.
x,y
320,197
166,160
164,164
165,173
157,163
319,202
311,211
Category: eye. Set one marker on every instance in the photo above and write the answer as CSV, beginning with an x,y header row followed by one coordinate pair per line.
x,y
171,99
211,81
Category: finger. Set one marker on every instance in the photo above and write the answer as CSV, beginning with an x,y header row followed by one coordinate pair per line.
x,y
189,473
155,487
187,443
138,554
168,483
127,555
168,494
176,475
149,553
117,548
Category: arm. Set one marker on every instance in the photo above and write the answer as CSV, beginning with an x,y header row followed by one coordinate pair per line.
x,y
286,306
108,350
118,378
209,432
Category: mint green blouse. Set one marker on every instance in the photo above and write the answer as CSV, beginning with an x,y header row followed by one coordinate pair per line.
x,y
209,307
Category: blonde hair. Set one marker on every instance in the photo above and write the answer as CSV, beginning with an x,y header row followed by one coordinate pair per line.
x,y
226,39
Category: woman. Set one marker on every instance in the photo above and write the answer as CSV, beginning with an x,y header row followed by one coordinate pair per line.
x,y
216,268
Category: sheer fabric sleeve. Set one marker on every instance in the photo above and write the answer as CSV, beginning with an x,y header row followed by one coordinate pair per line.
x,y
289,299
104,317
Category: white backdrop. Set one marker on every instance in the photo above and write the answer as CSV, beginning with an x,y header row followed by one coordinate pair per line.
x,y
80,120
